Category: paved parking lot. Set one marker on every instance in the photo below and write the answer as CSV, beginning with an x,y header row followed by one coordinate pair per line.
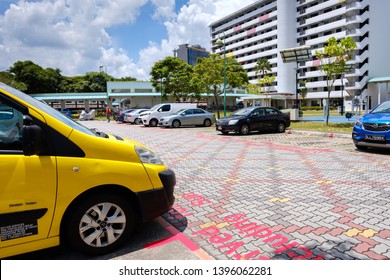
x,y
273,196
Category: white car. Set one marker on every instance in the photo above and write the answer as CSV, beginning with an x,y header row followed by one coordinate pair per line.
x,y
152,116
133,117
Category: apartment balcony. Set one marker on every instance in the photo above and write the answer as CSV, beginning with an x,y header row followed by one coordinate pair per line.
x,y
358,72
305,2
362,57
245,26
356,19
310,74
243,49
359,58
318,7
321,17
322,39
257,56
323,28
356,85
356,6
361,45
228,27
244,34
324,94
318,84
356,31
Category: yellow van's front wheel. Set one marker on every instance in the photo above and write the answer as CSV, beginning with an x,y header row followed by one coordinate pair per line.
x,y
100,224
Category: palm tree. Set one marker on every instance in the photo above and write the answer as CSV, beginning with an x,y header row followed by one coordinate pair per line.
x,y
262,66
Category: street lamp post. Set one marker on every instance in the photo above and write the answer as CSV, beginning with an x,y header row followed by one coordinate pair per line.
x,y
342,94
103,68
161,95
220,43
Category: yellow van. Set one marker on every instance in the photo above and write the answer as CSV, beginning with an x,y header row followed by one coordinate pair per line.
x,y
62,182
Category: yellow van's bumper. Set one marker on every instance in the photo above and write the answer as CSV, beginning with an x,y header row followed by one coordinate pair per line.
x,y
154,203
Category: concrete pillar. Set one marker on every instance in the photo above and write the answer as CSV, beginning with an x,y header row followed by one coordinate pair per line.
x,y
286,28
86,103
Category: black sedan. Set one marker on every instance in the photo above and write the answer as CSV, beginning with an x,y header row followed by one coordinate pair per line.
x,y
250,119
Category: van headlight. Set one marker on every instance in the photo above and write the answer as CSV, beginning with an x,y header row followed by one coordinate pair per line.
x,y
147,156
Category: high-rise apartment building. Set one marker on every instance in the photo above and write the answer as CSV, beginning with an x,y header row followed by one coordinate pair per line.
x,y
190,53
264,28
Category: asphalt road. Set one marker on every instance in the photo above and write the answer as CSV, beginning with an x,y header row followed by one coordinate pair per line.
x,y
262,196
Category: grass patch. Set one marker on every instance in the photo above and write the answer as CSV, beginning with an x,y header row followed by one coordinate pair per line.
x,y
322,127
308,113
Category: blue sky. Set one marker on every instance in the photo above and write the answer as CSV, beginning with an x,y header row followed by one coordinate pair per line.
x,y
126,36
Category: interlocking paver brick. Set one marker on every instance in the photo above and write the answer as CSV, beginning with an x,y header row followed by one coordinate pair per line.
x,y
304,191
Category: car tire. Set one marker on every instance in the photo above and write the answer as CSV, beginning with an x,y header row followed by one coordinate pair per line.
x,y
281,128
100,224
176,124
207,123
137,121
153,123
244,129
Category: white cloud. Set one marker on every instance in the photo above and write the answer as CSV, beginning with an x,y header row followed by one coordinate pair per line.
x,y
164,9
73,35
66,34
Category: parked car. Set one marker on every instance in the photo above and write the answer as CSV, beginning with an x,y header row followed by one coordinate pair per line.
x,y
133,116
50,192
120,116
249,119
188,117
152,116
373,129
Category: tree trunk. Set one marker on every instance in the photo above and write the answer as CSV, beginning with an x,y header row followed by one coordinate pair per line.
x,y
327,108
216,102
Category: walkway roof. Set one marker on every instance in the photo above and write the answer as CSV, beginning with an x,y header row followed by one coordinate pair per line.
x,y
71,96
379,80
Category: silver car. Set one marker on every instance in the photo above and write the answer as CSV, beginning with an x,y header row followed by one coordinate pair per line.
x,y
188,117
133,116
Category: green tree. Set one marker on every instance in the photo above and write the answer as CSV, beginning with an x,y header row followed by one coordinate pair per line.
x,y
303,90
125,79
9,79
334,57
209,75
96,81
172,76
253,88
262,66
266,81
36,79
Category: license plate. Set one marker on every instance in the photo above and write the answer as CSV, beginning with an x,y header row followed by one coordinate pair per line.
x,y
374,137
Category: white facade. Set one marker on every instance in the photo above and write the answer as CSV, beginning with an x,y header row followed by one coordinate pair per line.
x,y
268,26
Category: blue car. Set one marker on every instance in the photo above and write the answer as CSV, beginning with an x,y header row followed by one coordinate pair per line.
x,y
373,129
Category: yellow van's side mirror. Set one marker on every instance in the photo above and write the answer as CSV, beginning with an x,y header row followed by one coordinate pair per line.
x,y
32,137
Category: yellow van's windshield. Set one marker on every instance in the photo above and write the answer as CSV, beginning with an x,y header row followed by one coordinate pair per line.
x,y
46,109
